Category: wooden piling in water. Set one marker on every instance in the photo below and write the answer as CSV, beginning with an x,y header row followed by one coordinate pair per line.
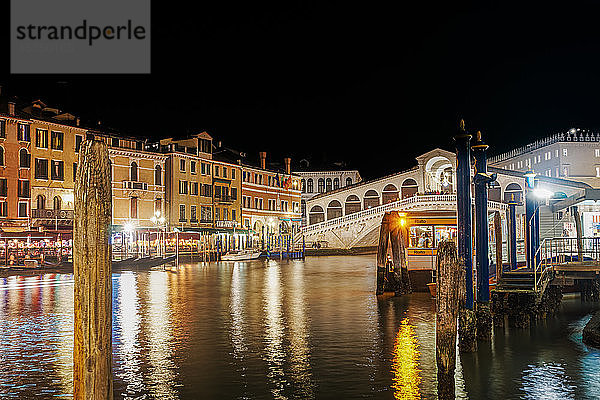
x,y
446,302
92,350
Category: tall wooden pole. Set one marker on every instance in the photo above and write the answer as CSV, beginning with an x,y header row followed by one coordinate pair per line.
x,y
92,375
447,298
498,234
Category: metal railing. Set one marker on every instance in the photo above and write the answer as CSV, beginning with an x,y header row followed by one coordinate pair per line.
x,y
396,205
563,250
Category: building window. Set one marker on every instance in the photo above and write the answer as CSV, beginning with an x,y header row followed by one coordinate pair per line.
x,y
22,210
182,213
597,152
24,158
78,140
1,155
3,187
23,133
328,186
134,208
233,174
41,168
348,181
56,203
157,206
564,152
234,193
182,165
194,188
2,128
336,183
233,215
321,187
58,170
183,187
133,172
207,190
224,172
193,167
57,140
193,214
41,202
23,188
217,214
158,175
3,208
597,172
216,170
309,185
41,138
565,171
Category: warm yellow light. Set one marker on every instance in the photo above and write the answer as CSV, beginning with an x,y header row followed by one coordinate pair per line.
x,y
405,363
402,221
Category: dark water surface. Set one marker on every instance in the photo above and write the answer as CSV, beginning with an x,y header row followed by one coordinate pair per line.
x,y
265,330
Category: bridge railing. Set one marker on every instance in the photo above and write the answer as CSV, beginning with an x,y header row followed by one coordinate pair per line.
x,y
396,205
562,250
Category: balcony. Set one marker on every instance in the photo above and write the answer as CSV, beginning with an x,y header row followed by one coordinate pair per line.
x,y
52,217
224,199
135,185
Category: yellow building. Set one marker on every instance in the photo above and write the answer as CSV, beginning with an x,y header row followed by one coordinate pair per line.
x,y
227,180
189,190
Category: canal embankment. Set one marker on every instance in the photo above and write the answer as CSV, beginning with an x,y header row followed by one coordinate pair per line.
x,y
591,332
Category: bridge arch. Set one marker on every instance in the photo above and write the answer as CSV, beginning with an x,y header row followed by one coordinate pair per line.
x,y
370,199
438,174
334,209
352,204
389,194
409,188
513,189
316,215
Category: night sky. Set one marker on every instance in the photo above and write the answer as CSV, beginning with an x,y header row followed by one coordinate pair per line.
x,y
366,83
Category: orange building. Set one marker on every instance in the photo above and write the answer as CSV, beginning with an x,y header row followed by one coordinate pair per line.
x,y
270,200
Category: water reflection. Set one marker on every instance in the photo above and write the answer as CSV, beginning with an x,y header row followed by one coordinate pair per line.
x,y
159,331
126,333
405,363
547,381
274,326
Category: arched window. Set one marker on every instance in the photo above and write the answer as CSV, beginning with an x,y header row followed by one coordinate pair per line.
x,y
336,183
321,185
134,171
409,188
24,159
334,209
371,199
352,204
513,192
158,175
57,203
303,186
41,202
316,215
1,155
309,185
390,194
328,185
348,181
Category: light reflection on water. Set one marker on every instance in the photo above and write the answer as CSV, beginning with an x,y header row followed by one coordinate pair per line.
x,y
405,363
289,330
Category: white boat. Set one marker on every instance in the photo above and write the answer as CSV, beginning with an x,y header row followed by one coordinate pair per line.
x,y
240,255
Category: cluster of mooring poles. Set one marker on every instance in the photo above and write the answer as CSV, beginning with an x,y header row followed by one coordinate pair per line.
x,y
455,294
392,274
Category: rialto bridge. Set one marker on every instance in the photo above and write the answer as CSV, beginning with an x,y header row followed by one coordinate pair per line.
x,y
350,217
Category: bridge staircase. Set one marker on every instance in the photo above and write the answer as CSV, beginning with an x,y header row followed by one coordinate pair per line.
x,y
371,218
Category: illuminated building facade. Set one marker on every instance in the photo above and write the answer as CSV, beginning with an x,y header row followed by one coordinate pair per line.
x,y
270,199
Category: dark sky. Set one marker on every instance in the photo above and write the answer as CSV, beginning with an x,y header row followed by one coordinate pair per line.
x,y
365,83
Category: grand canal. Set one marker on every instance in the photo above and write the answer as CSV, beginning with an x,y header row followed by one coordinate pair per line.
x,y
266,329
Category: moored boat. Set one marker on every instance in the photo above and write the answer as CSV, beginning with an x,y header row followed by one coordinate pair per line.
x,y
241,255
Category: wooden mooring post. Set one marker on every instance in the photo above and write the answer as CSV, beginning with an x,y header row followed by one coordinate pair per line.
x,y
395,279
92,350
446,302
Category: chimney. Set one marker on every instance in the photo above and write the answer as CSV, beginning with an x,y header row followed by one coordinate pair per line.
x,y
263,159
11,108
288,165
77,121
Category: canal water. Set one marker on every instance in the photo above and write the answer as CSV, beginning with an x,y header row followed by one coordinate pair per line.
x,y
267,329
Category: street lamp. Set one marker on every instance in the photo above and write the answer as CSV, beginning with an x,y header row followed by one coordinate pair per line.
x,y
158,220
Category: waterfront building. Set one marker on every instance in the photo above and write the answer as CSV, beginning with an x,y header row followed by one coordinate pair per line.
x,y
227,188
322,179
270,199
15,165
189,181
573,155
